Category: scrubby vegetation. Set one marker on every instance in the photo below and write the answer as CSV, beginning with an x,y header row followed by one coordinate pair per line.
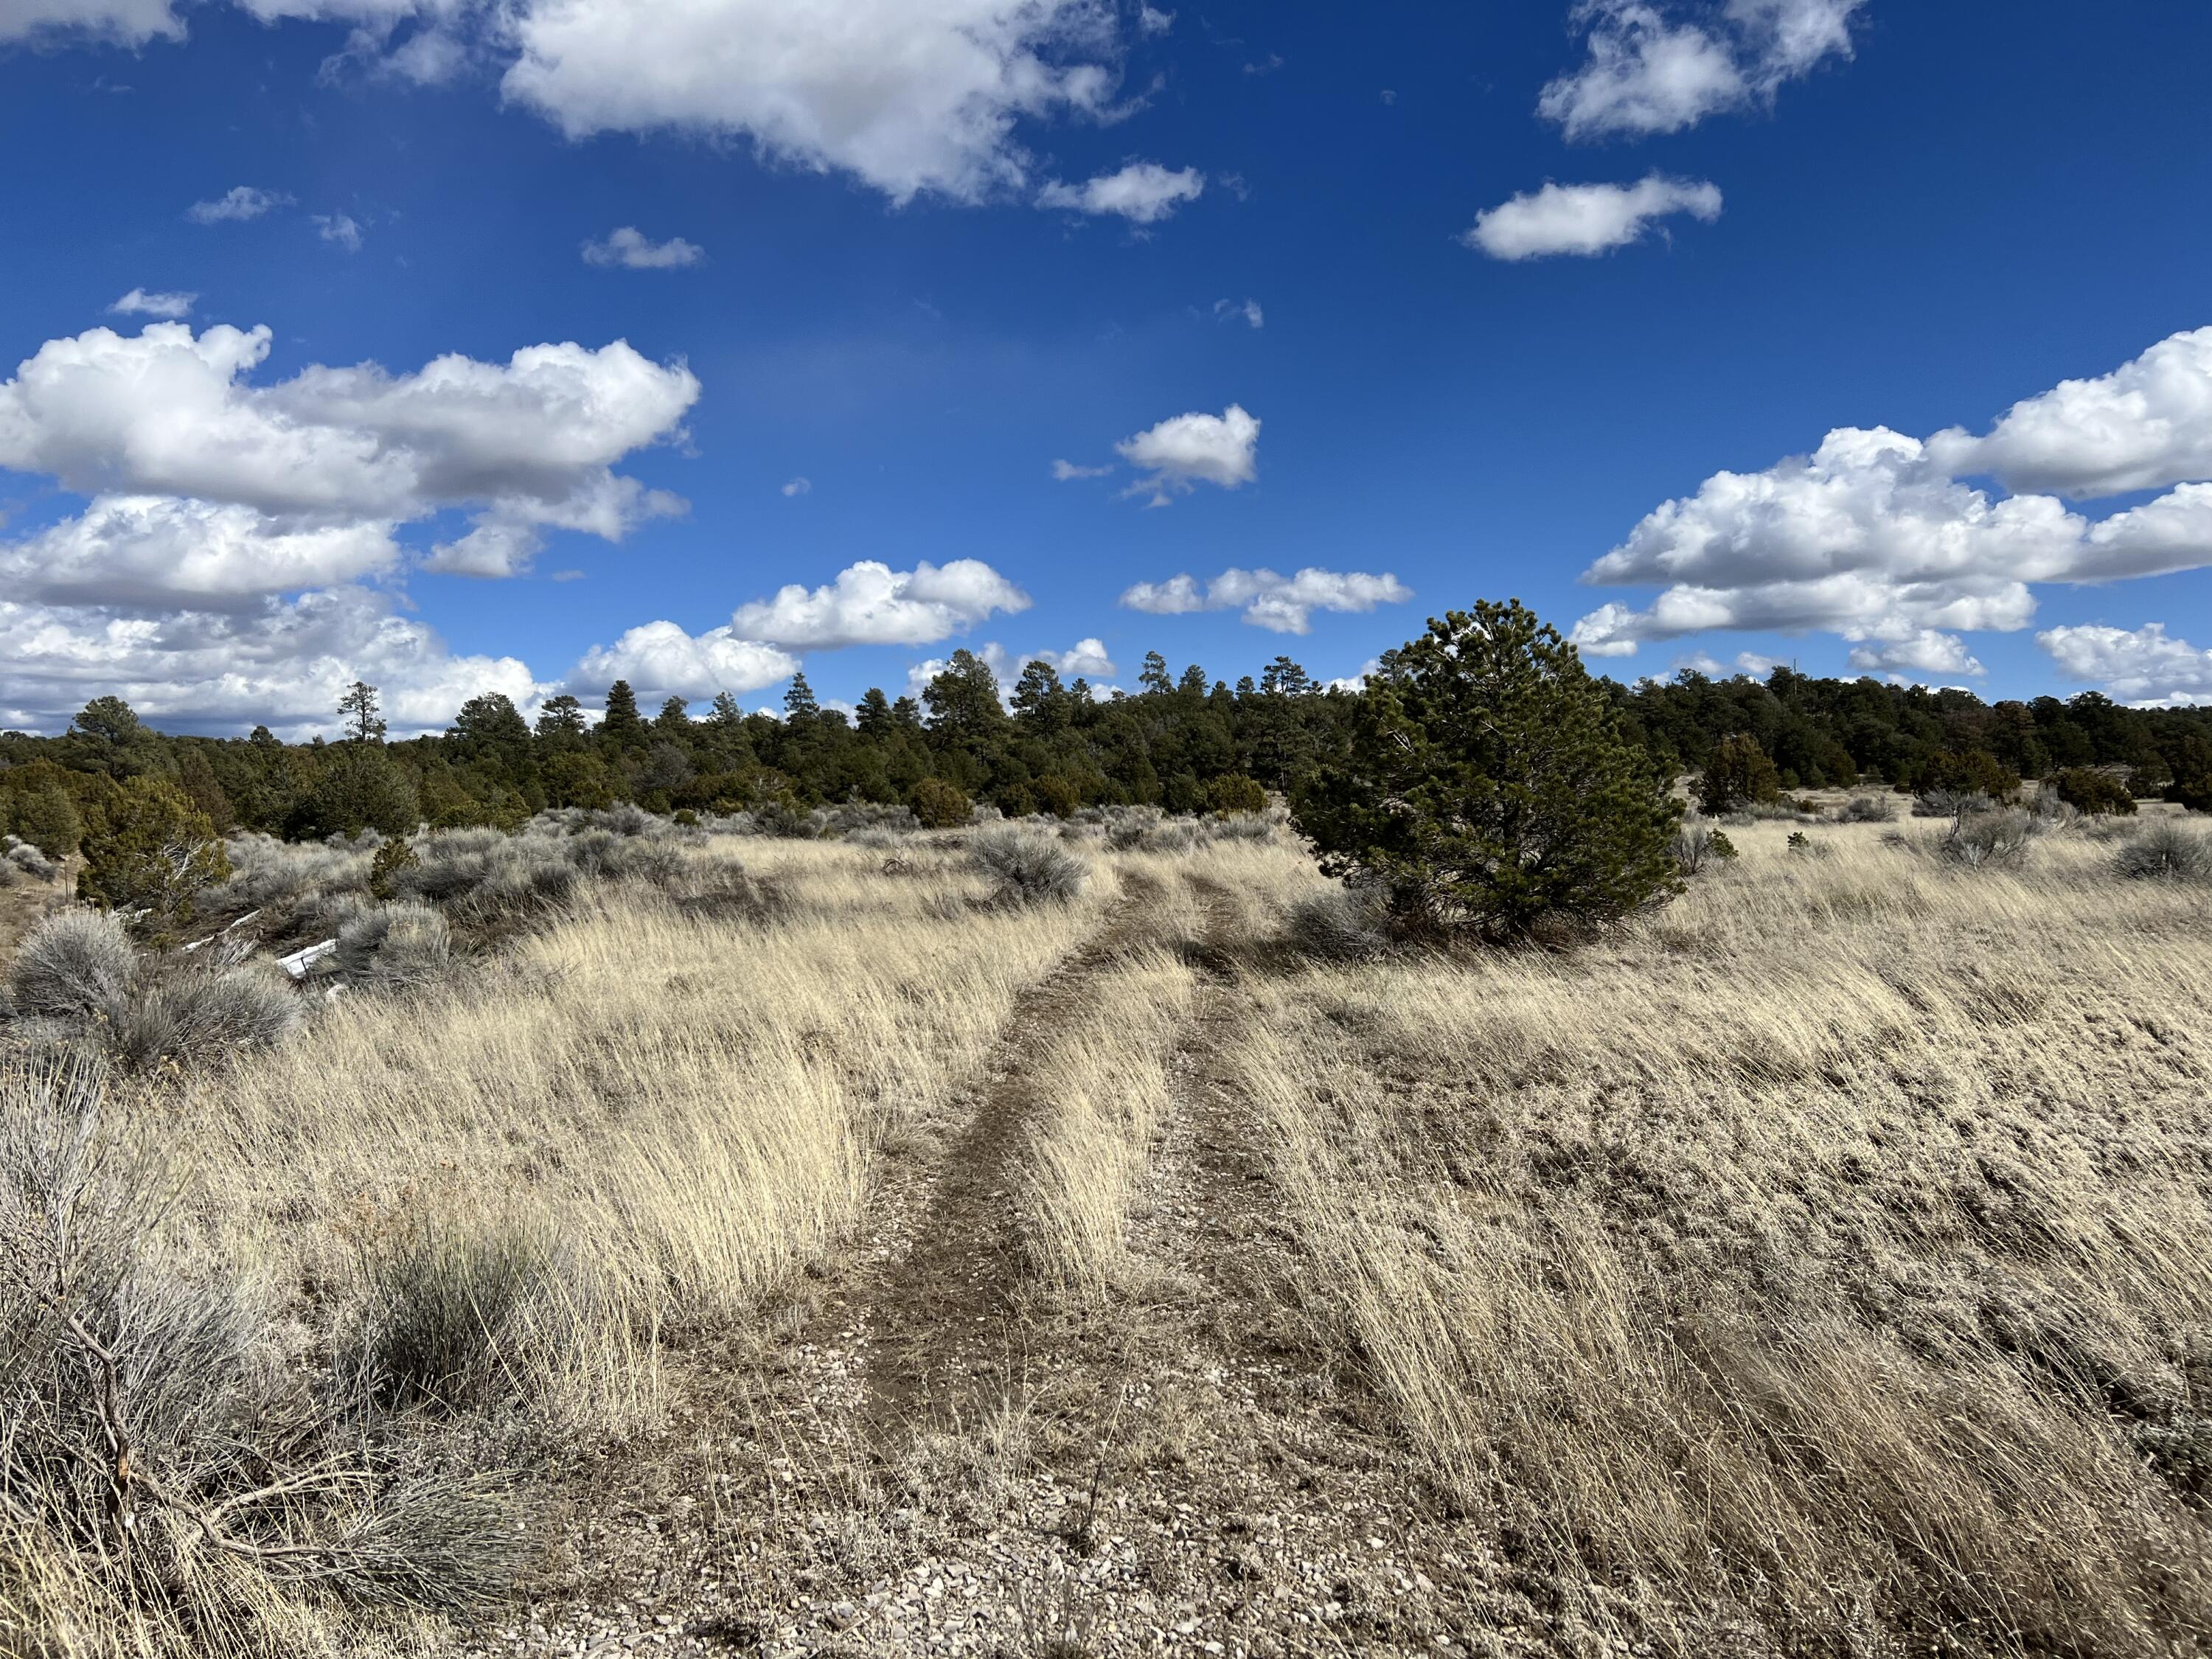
x,y
705,1223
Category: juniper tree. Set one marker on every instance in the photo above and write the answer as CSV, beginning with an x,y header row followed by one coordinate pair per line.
x,y
1737,773
1487,786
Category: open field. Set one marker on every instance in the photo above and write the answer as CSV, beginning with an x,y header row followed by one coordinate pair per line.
x,y
836,1260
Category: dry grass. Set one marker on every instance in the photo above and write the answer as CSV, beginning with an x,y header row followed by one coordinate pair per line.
x,y
495,1209
1101,1090
1827,1260
1821,1264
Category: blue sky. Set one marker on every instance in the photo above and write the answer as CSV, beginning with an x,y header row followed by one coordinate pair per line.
x,y
1862,214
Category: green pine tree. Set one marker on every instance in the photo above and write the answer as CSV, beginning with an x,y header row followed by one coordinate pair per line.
x,y
1488,786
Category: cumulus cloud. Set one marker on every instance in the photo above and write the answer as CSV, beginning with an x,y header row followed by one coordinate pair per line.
x,y
633,250
2142,665
1249,311
239,202
1185,450
1143,192
1876,536
2146,425
1587,219
870,604
529,442
340,228
797,487
660,659
907,95
157,552
283,662
139,303
1282,604
1649,71
1066,471
216,574
1928,652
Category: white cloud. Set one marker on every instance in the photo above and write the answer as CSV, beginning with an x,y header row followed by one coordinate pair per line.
x,y
660,659
1150,20
908,95
284,663
139,303
2144,426
870,604
1189,450
2142,666
240,201
136,551
1876,538
1648,73
1587,219
1928,652
339,228
1066,470
1249,311
633,250
1143,191
125,22
799,486
1282,604
529,442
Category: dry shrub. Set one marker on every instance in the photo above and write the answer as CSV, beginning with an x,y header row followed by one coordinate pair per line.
x,y
181,1471
1340,924
394,947
1867,809
266,871
22,858
1030,868
2163,852
1987,839
195,1017
74,966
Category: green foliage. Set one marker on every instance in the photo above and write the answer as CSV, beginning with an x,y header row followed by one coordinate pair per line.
x,y
1488,787
2192,794
45,817
621,723
1970,772
1233,793
155,851
360,787
1737,773
2088,790
938,806
1057,796
395,855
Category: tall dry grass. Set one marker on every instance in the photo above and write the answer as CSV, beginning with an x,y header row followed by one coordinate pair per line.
x,y
1822,1264
468,1226
1099,1089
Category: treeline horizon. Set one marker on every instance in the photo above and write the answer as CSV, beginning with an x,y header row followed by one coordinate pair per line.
x,y
1185,743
